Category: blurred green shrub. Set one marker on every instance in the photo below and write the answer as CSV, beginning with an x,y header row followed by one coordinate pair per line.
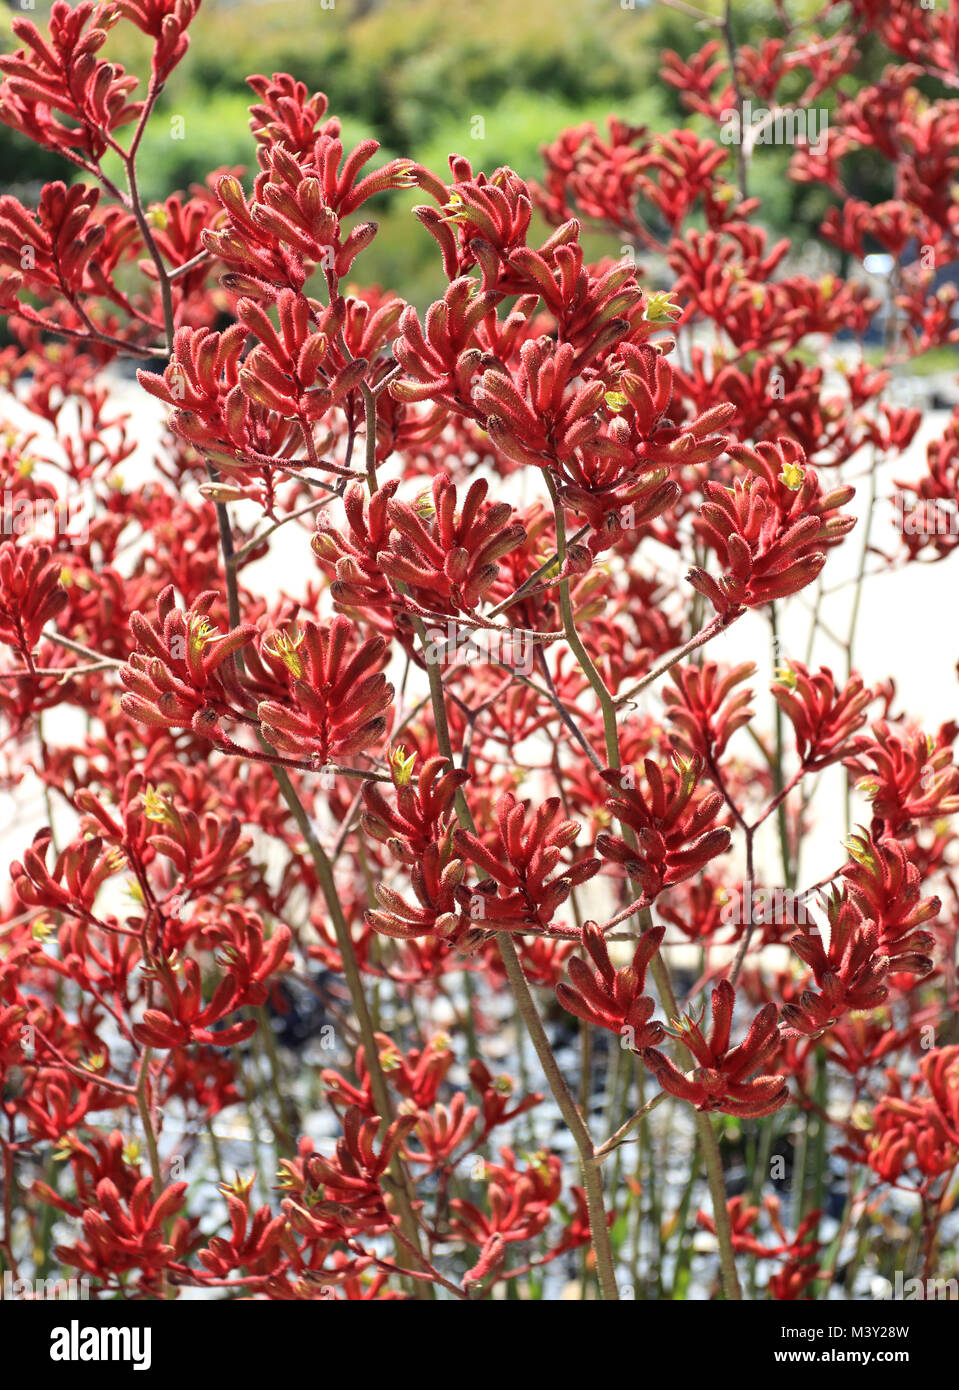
x,y
420,77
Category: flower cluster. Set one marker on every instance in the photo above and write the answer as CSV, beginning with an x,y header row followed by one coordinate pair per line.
x,y
393,752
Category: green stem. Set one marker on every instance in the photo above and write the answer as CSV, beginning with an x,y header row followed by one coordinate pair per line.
x,y
592,1180
704,1129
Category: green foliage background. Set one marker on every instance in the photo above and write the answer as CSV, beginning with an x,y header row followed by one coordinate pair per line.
x,y
413,74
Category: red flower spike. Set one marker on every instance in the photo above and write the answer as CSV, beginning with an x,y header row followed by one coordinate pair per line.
x,y
770,542
254,1242
519,890
434,880
122,1234
449,559
61,74
851,974
337,691
887,888
441,358
31,594
76,878
166,22
721,1081
422,813
181,671
704,709
359,582
496,1094
919,1131
673,825
824,719
614,999
907,775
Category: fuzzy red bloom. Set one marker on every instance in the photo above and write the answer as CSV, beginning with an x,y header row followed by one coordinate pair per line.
x,y
851,972
614,999
823,718
181,676
672,824
434,879
441,359
344,1193
422,811
907,775
520,1201
61,74
798,1253
518,889
721,1081
31,594
69,245
292,222
441,1131
705,708
769,531
919,1130
337,691
449,559
254,1241
507,485
885,887
253,409
360,582
75,879
248,960
496,1094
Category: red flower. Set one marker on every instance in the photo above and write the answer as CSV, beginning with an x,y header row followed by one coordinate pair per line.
x,y
614,999
850,973
440,362
887,888
68,245
449,559
671,825
907,776
248,962
181,673
721,1081
253,1244
73,883
61,74
360,582
703,707
529,850
920,1130
496,1093
337,696
434,879
342,1195
422,812
292,222
824,720
31,594
520,1201
126,1235
769,535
